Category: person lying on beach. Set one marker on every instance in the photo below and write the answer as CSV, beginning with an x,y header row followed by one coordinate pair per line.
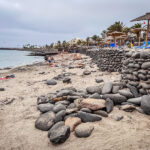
x,y
50,61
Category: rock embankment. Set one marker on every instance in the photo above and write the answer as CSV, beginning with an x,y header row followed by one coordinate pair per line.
x,y
136,72
107,60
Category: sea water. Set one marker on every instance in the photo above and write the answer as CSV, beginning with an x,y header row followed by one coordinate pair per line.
x,y
14,58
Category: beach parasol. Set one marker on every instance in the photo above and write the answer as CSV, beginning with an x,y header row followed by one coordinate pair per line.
x,y
122,37
144,17
114,35
138,32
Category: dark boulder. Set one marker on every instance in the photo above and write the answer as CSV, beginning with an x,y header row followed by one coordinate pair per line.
x,y
51,82
95,96
72,98
93,89
145,104
107,88
109,105
60,116
67,80
135,101
45,107
55,127
87,117
86,110
2,89
65,93
125,93
101,113
59,107
133,90
42,99
71,115
116,98
45,121
86,72
84,130
98,80
115,89
60,135
145,65
65,102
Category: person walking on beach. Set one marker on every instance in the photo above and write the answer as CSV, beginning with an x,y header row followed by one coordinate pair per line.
x,y
62,54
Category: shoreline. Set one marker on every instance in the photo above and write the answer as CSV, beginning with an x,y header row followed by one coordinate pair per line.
x,y
20,67
29,60
23,65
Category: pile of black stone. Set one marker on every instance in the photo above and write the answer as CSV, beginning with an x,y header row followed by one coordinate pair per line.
x,y
107,60
136,71
69,109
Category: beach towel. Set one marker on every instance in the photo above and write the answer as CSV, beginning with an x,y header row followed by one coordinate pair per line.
x,y
7,77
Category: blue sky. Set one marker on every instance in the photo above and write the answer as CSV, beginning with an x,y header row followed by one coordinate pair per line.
x,y
44,21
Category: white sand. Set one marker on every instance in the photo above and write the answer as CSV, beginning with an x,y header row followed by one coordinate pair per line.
x,y
17,131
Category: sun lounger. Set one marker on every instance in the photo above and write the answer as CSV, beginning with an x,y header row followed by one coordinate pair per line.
x,y
143,45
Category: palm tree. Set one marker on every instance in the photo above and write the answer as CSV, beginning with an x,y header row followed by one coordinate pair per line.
x,y
87,41
83,43
117,26
137,25
59,44
79,42
136,28
94,38
64,43
104,33
126,30
51,45
98,40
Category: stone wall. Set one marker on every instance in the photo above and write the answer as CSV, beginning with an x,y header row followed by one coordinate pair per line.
x,y
136,71
107,59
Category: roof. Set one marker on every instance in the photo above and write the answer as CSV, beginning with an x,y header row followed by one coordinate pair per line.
x,y
144,17
135,30
116,33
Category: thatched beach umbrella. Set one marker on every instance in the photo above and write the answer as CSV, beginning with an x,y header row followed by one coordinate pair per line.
x,y
122,37
138,32
114,35
144,17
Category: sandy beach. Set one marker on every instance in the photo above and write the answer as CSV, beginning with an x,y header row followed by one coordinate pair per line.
x,y
18,110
